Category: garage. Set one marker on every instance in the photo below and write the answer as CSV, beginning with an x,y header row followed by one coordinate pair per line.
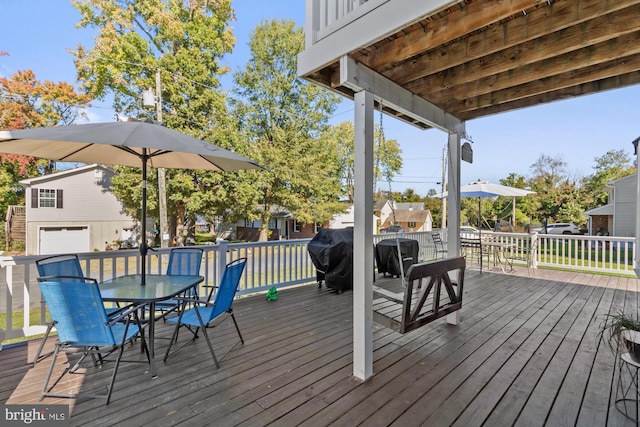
x,y
56,240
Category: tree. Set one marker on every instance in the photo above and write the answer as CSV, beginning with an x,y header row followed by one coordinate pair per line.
x,y
282,119
387,156
26,102
410,195
554,189
525,206
614,164
185,42
433,203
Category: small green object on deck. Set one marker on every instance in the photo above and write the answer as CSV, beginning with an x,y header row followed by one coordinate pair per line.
x,y
272,294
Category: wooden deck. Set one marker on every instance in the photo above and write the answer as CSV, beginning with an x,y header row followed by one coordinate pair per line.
x,y
526,353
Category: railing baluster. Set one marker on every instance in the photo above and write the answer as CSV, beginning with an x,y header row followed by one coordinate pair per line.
x,y
284,263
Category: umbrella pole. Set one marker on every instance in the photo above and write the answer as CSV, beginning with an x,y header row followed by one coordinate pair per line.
x,y
480,232
143,243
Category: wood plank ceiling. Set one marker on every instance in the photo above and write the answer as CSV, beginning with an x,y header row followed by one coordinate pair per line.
x,y
482,57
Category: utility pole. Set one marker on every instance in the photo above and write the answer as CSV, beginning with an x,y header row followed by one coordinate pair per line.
x,y
149,99
443,224
162,182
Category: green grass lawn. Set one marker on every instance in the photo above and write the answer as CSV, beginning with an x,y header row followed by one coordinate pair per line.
x,y
17,318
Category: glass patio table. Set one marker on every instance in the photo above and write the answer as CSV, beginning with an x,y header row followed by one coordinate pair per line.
x,y
158,287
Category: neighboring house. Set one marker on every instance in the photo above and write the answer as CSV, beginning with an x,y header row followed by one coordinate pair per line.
x,y
284,226
347,219
74,211
248,230
410,206
414,220
383,209
618,217
411,215
281,226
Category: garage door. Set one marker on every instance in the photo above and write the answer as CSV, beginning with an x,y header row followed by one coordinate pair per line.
x,y
58,240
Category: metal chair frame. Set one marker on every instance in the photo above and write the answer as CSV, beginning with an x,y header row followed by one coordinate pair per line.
x,y
85,328
182,261
57,265
203,313
438,244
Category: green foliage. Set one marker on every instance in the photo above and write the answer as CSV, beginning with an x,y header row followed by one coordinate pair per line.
x,y
387,156
434,204
185,41
615,164
614,325
281,118
26,102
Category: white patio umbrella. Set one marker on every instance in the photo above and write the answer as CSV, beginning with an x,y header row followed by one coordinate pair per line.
x,y
133,143
488,189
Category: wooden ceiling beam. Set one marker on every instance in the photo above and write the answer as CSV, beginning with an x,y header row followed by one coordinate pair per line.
x,y
357,77
614,82
558,82
567,41
471,17
541,70
560,15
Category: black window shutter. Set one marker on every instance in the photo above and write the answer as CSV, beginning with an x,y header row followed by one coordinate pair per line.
x,y
59,199
34,197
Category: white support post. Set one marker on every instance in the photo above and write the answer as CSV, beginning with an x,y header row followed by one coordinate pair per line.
x,y
363,237
453,225
534,254
636,261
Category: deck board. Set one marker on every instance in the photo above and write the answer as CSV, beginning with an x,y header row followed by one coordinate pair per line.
x,y
525,353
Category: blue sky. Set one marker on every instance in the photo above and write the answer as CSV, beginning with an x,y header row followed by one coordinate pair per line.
x,y
36,33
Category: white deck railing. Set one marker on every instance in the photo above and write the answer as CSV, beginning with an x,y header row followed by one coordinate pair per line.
x,y
278,263
330,15
284,263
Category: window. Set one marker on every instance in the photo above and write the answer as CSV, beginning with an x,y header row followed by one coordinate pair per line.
x,y
317,227
297,226
412,224
46,198
273,223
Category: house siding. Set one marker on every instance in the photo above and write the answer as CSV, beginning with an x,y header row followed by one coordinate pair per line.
x,y
87,202
624,218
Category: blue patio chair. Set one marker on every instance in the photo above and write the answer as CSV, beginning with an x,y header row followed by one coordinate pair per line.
x,y
57,265
66,268
204,313
78,313
182,261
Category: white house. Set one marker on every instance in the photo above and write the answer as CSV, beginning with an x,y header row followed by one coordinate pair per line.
x,y
384,210
347,219
74,211
411,215
618,216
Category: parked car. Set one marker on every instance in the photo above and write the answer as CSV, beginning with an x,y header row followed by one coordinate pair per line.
x,y
468,232
396,228
558,228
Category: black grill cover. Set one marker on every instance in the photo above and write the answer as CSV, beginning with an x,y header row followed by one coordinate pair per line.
x,y
332,253
387,255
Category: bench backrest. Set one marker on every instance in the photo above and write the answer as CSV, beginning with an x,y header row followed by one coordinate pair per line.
x,y
433,290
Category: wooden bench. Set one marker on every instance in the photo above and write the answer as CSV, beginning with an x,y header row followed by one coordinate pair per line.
x,y
433,290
